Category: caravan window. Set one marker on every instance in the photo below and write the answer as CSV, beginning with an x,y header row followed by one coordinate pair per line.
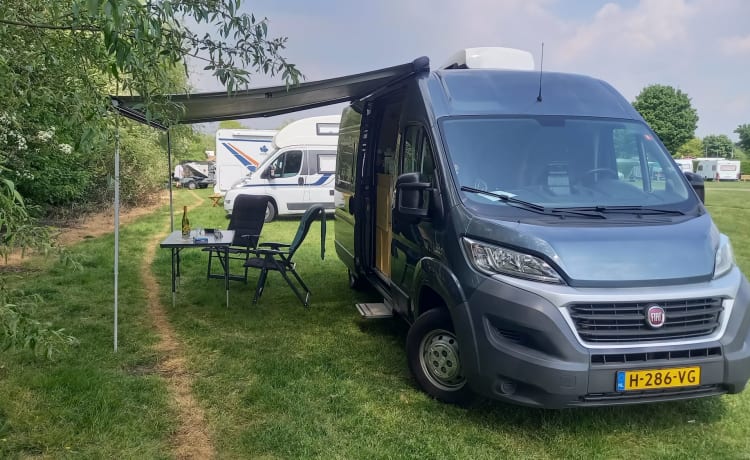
x,y
287,164
326,163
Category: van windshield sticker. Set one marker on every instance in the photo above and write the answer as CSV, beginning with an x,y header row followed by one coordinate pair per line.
x,y
498,192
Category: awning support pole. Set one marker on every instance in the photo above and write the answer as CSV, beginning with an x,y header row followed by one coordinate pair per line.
x,y
169,181
117,219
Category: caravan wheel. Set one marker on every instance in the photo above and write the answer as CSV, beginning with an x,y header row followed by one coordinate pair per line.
x,y
270,211
191,185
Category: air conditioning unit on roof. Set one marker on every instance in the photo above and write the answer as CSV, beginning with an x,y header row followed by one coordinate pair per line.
x,y
491,58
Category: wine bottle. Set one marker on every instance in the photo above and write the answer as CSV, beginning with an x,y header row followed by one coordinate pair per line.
x,y
185,223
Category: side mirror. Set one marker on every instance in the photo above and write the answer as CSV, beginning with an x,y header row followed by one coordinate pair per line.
x,y
696,181
410,197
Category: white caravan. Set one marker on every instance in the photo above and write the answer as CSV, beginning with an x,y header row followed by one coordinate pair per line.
x,y
685,164
718,169
299,172
239,152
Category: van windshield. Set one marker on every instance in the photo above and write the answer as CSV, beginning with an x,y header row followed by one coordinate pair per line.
x,y
557,162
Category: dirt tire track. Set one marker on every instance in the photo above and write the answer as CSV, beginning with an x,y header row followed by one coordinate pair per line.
x,y
192,440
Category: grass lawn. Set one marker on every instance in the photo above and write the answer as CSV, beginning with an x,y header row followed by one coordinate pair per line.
x,y
280,381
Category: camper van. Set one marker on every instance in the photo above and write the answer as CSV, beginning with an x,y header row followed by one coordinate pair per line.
x,y
238,153
484,202
299,171
685,164
718,169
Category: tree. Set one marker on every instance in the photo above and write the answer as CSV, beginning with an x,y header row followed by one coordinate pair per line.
x,y
691,149
744,132
60,59
718,146
669,113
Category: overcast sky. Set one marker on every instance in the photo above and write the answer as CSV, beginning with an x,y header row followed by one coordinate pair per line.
x,y
701,47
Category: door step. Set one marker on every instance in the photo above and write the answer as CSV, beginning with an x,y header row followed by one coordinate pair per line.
x,y
374,310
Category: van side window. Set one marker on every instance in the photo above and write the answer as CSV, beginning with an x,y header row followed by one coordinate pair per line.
x,y
287,164
428,163
347,149
410,161
417,153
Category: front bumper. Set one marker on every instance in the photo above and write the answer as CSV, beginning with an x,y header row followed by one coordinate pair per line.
x,y
519,346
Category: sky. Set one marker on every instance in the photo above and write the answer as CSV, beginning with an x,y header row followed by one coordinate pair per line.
x,y
701,47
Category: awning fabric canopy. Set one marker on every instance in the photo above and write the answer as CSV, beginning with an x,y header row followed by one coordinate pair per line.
x,y
260,102
276,100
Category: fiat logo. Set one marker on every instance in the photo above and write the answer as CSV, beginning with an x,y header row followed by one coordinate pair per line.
x,y
655,316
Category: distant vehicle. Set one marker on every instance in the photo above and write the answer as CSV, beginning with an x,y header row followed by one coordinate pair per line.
x,y
718,169
198,174
238,153
298,173
685,164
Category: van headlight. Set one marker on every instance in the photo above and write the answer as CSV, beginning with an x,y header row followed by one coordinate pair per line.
x,y
724,257
490,259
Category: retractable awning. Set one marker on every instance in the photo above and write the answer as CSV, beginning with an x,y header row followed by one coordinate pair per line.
x,y
270,101
260,102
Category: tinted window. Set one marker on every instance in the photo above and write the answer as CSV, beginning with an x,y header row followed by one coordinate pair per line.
x,y
563,162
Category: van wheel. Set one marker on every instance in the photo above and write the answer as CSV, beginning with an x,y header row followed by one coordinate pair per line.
x,y
434,359
191,185
270,212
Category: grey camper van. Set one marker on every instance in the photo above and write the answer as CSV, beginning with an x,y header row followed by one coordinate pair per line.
x,y
500,217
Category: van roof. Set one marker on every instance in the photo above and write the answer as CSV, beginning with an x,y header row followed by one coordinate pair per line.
x,y
320,130
511,92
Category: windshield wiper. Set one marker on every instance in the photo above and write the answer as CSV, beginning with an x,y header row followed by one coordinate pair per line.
x,y
508,199
559,212
640,210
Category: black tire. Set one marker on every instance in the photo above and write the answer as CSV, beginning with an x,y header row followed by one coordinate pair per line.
x,y
441,376
191,185
270,212
355,282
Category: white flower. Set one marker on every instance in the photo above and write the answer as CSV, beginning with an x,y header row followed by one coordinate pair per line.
x,y
65,148
45,136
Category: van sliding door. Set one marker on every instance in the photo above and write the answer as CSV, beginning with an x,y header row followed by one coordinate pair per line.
x,y
385,174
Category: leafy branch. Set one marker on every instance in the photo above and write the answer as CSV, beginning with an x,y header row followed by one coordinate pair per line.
x,y
19,330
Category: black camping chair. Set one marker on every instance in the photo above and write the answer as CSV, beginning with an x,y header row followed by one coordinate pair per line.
x,y
248,216
279,256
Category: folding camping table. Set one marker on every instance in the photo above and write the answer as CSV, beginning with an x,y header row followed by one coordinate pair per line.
x,y
219,241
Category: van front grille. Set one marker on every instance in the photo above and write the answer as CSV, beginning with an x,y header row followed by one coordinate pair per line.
x,y
671,394
626,321
655,357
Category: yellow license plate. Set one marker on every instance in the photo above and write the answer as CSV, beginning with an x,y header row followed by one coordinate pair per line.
x,y
654,379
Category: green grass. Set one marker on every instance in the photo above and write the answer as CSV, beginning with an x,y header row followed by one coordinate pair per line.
x,y
280,381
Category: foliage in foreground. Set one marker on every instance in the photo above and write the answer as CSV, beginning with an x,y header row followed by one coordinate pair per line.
x,y
60,60
19,330
18,327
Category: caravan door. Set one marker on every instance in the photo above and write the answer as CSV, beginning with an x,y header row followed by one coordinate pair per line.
x,y
319,182
286,183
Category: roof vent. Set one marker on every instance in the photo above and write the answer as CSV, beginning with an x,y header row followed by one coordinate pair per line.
x,y
491,58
